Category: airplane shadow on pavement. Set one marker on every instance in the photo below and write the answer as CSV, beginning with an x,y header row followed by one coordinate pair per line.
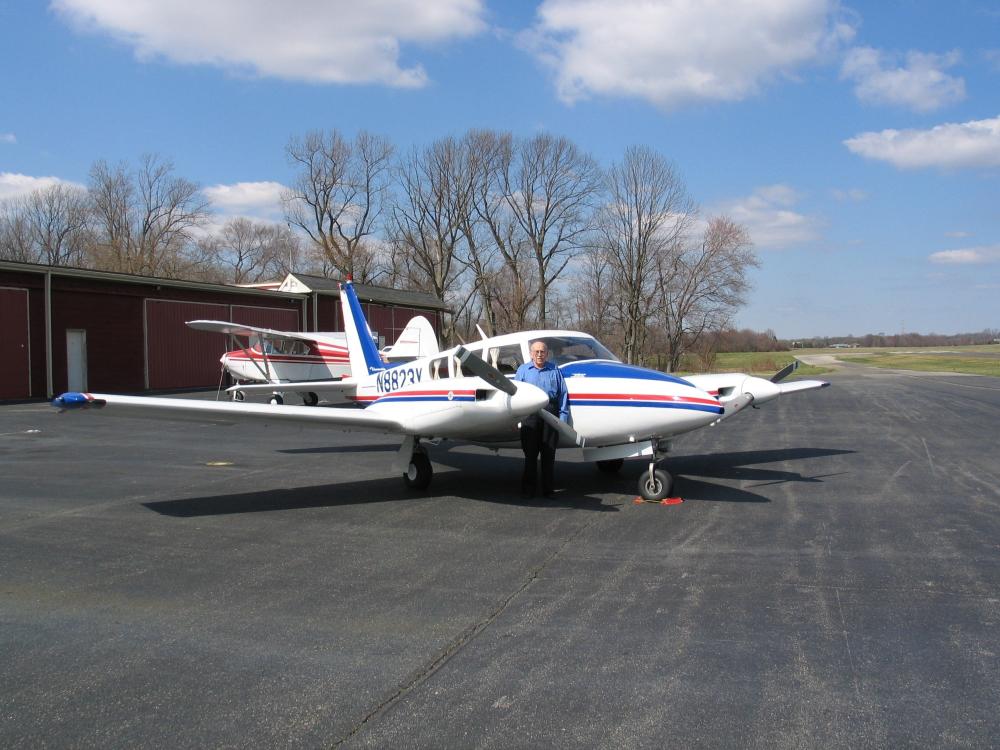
x,y
581,486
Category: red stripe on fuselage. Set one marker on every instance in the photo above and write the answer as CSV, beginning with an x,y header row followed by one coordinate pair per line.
x,y
640,397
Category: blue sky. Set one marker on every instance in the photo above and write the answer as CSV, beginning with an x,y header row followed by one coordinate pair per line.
x,y
859,142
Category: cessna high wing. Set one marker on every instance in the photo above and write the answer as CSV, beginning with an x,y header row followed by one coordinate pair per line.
x,y
619,411
310,364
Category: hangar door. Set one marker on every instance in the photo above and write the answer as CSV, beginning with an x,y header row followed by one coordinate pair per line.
x,y
178,356
15,364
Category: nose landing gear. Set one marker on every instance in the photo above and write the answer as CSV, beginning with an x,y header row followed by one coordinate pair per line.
x,y
655,484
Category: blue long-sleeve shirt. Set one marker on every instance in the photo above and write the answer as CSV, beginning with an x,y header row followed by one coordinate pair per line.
x,y
550,379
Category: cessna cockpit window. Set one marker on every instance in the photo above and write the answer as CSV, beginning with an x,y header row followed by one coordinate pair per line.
x,y
563,349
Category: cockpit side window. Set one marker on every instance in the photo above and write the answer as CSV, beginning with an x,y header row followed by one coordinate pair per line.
x,y
507,358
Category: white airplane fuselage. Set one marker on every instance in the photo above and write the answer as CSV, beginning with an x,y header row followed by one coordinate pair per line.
x,y
610,402
323,358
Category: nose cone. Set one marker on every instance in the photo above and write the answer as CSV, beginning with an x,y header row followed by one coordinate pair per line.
x,y
528,399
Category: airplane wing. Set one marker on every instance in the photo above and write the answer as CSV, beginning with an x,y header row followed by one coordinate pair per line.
x,y
228,412
801,385
235,329
314,386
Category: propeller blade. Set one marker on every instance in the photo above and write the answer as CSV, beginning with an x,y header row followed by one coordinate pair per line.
x,y
561,427
785,371
485,370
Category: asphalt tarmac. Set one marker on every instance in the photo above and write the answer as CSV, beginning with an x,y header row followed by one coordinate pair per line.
x,y
831,580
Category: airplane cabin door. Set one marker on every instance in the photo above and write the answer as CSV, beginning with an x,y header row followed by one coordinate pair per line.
x,y
76,359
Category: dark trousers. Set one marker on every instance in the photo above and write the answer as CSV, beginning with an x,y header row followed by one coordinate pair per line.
x,y
538,439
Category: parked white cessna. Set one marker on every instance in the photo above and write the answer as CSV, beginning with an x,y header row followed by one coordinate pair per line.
x,y
619,411
310,364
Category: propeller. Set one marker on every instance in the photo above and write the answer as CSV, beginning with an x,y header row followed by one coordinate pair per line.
x,y
562,428
498,380
785,371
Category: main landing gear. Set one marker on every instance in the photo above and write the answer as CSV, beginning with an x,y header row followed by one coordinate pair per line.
x,y
418,473
412,459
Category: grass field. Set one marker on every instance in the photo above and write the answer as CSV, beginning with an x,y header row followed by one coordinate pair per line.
x,y
755,363
962,359
969,365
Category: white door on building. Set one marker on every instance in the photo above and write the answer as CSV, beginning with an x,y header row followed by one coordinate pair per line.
x,y
76,359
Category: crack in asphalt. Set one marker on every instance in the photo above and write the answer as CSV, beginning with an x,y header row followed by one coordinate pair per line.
x,y
470,633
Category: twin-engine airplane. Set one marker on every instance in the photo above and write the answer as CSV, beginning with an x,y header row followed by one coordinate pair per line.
x,y
310,364
465,393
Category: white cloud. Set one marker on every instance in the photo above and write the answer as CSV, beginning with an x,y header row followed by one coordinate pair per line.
x,y
769,217
8,138
332,41
852,195
14,185
968,255
260,200
920,84
950,146
676,51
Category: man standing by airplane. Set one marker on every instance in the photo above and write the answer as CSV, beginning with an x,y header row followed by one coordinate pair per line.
x,y
536,436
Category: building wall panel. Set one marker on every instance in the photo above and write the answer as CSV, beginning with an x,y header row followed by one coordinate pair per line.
x,y
114,339
178,356
15,349
280,319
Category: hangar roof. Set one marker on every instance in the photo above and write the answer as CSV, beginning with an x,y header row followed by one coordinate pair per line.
x,y
303,283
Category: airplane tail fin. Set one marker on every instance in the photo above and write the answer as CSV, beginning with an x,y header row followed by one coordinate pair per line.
x,y
417,340
361,347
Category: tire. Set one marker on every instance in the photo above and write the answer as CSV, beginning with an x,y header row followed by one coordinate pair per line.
x,y
276,400
418,474
612,466
310,399
656,489
239,396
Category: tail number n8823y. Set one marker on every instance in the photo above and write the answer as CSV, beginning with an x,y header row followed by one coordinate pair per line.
x,y
397,377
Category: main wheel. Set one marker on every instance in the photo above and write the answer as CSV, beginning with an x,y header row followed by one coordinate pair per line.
x,y
657,487
419,472
276,399
612,466
310,399
239,396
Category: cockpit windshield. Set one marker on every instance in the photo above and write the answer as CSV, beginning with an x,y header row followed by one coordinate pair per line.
x,y
564,349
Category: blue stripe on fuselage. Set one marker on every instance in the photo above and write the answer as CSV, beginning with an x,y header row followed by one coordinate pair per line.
x,y
646,404
598,368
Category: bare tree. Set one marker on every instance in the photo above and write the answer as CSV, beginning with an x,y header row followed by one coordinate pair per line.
x,y
699,288
143,218
46,226
426,227
644,220
338,197
250,252
15,237
550,186
593,295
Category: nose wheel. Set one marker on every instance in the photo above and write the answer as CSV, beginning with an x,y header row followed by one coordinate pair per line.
x,y
655,484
